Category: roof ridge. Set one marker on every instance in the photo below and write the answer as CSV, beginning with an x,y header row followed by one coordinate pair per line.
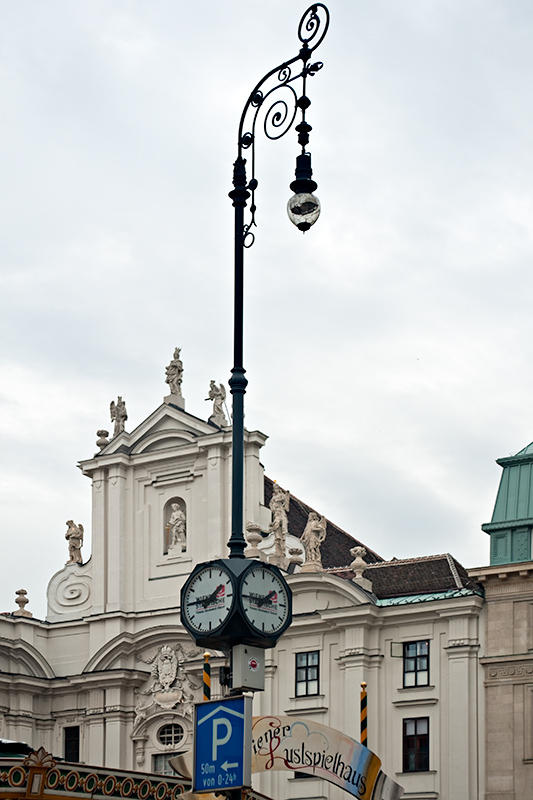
x,y
409,560
402,561
454,571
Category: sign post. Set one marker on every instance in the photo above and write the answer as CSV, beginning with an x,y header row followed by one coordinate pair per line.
x,y
222,752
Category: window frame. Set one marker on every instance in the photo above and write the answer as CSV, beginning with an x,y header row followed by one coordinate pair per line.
x,y
418,746
417,669
166,734
71,744
166,758
307,679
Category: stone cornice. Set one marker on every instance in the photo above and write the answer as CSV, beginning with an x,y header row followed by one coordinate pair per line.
x,y
500,586
104,679
462,642
415,701
522,569
508,669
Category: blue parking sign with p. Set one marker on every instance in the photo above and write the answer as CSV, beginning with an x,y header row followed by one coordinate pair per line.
x,y
222,744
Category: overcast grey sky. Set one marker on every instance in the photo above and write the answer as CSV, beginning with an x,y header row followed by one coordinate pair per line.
x,y
388,350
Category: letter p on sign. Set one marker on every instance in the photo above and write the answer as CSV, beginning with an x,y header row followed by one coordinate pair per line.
x,y
224,738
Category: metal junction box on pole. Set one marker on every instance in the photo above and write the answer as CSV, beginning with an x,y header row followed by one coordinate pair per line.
x,y
248,668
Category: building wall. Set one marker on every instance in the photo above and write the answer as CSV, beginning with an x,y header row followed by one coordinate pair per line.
x,y
94,662
507,663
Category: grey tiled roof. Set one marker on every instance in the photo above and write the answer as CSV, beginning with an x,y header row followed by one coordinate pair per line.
x,y
335,550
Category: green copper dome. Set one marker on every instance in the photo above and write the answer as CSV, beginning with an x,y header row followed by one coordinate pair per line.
x,y
512,518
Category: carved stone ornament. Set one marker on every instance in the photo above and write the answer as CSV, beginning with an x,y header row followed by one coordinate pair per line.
x,y
140,746
69,592
168,686
253,537
22,601
174,378
511,673
119,415
74,537
296,556
359,565
312,537
102,440
279,506
218,395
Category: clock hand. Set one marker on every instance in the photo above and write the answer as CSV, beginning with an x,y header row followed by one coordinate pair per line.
x,y
211,597
268,598
260,601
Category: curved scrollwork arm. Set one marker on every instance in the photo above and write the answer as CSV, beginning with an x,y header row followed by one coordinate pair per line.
x,y
276,101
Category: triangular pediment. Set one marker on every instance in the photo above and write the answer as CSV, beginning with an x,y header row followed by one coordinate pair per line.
x,y
166,428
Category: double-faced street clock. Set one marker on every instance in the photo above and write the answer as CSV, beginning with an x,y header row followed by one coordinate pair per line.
x,y
233,601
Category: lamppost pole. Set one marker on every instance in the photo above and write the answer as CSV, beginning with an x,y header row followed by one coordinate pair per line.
x,y
277,94
238,381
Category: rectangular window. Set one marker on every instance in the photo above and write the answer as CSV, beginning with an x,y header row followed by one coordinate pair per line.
x,y
416,744
416,663
71,743
160,763
307,673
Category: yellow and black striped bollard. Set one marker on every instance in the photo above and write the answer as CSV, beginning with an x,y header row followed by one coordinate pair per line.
x,y
363,715
207,676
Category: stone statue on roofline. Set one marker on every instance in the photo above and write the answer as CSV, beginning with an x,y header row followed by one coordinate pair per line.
x,y
174,378
312,537
279,506
119,415
74,537
218,395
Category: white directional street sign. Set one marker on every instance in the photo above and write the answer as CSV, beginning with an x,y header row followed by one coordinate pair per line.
x,y
222,744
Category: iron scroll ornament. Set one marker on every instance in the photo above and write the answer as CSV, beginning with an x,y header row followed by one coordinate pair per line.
x,y
276,100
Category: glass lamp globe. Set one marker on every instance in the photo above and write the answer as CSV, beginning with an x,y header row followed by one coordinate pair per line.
x,y
303,210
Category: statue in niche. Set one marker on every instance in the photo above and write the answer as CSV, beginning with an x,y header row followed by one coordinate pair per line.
x,y
119,415
174,377
312,537
218,395
279,505
177,536
74,537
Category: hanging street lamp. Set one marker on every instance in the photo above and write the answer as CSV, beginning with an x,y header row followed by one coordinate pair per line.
x,y
229,603
276,102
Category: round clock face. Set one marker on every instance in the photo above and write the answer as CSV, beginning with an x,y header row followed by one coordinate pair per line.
x,y
265,599
208,599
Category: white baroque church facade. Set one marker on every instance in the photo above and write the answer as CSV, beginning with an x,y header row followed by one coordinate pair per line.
x,y
109,678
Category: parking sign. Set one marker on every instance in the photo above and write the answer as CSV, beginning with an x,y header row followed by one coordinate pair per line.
x,y
222,744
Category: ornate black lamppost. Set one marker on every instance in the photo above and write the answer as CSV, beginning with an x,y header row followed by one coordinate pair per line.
x,y
231,602
277,94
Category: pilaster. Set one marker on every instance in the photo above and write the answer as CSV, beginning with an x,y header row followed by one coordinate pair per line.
x,y
119,539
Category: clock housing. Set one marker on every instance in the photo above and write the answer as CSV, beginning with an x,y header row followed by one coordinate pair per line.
x,y
230,601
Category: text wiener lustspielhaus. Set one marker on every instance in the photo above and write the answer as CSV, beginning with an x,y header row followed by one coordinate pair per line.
x,y
284,743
